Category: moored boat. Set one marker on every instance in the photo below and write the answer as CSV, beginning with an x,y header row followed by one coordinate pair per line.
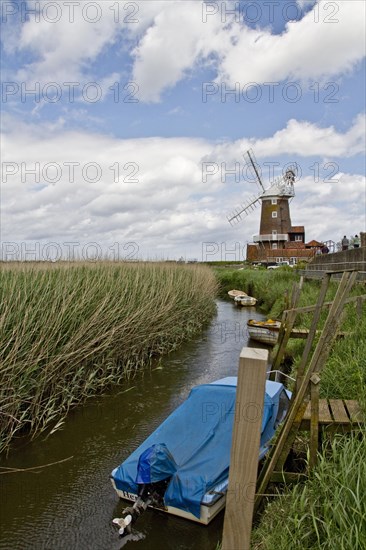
x,y
264,331
245,300
182,468
233,293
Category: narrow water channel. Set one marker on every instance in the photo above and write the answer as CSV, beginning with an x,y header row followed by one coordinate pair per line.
x,y
69,506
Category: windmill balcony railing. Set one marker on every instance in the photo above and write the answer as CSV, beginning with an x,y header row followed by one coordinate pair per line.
x,y
270,237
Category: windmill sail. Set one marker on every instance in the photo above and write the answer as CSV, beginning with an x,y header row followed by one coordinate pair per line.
x,y
283,186
244,209
250,204
252,161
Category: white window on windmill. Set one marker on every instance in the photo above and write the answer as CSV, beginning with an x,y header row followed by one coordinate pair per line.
x,y
298,238
274,201
274,233
274,246
274,214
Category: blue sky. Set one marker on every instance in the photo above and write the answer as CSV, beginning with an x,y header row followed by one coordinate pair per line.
x,y
299,96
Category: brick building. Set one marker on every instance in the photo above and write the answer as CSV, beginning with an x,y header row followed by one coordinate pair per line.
x,y
278,239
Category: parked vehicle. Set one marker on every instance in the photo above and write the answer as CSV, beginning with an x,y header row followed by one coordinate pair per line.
x,y
281,264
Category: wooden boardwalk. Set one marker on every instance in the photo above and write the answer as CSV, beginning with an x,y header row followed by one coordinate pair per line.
x,y
304,333
335,415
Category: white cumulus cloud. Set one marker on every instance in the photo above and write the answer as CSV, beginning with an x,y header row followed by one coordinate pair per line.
x,y
168,41
170,204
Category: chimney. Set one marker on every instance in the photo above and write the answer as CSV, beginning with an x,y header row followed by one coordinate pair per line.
x,y
363,240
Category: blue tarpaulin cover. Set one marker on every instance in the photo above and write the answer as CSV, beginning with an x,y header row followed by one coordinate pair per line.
x,y
198,436
155,464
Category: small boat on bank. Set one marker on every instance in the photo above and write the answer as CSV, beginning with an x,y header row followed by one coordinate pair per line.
x,y
233,293
182,468
264,331
245,300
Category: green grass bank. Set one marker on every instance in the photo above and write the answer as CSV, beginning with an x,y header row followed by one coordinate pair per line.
x,y
344,375
328,511
70,331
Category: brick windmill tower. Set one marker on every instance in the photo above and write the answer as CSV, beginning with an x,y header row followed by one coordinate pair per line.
x,y
278,240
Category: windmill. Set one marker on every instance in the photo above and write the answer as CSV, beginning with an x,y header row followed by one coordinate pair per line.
x,y
275,224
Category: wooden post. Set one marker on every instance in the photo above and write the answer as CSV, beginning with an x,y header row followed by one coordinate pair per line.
x,y
359,306
245,449
314,420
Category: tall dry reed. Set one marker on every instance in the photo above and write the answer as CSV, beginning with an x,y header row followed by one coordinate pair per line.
x,y
68,331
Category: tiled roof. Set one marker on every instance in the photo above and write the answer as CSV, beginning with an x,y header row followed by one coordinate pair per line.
x,y
294,244
297,229
313,243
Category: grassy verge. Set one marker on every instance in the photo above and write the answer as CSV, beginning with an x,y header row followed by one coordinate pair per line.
x,y
268,286
328,511
68,332
345,371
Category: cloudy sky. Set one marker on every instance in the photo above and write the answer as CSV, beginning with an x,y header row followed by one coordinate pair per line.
x,y
124,123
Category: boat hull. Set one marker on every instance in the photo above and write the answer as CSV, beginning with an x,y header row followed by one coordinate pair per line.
x,y
263,335
234,293
207,512
264,332
245,301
